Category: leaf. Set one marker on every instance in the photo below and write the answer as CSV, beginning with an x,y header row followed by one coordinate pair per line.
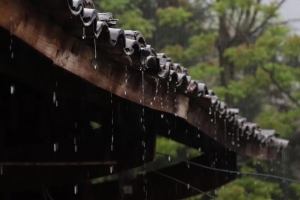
x,y
172,16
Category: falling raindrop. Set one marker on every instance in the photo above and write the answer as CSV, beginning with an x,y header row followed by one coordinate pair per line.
x,y
111,169
162,115
188,186
75,189
55,147
125,92
12,89
126,75
215,118
83,33
54,97
169,158
199,149
75,148
56,103
95,46
112,122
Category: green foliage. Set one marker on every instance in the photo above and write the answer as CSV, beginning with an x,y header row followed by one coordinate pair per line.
x,y
197,197
201,45
130,14
172,16
283,123
176,52
116,5
292,46
172,148
296,188
133,21
248,188
203,70
95,125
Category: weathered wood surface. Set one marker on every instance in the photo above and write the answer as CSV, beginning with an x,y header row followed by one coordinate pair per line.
x,y
21,18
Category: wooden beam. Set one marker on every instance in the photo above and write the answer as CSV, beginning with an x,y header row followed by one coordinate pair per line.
x,y
62,164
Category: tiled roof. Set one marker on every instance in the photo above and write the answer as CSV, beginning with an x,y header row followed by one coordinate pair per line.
x,y
100,29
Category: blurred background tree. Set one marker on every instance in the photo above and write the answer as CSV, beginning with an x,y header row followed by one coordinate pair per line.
x,y
245,53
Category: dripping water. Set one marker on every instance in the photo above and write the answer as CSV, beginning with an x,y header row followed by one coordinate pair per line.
x,y
75,189
95,47
11,45
83,33
126,75
112,123
54,97
144,129
156,88
12,89
55,147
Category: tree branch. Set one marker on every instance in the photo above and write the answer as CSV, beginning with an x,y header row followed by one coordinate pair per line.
x,y
253,19
240,19
266,20
295,101
286,22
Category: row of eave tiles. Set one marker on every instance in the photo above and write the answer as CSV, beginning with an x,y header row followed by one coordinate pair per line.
x,y
102,26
